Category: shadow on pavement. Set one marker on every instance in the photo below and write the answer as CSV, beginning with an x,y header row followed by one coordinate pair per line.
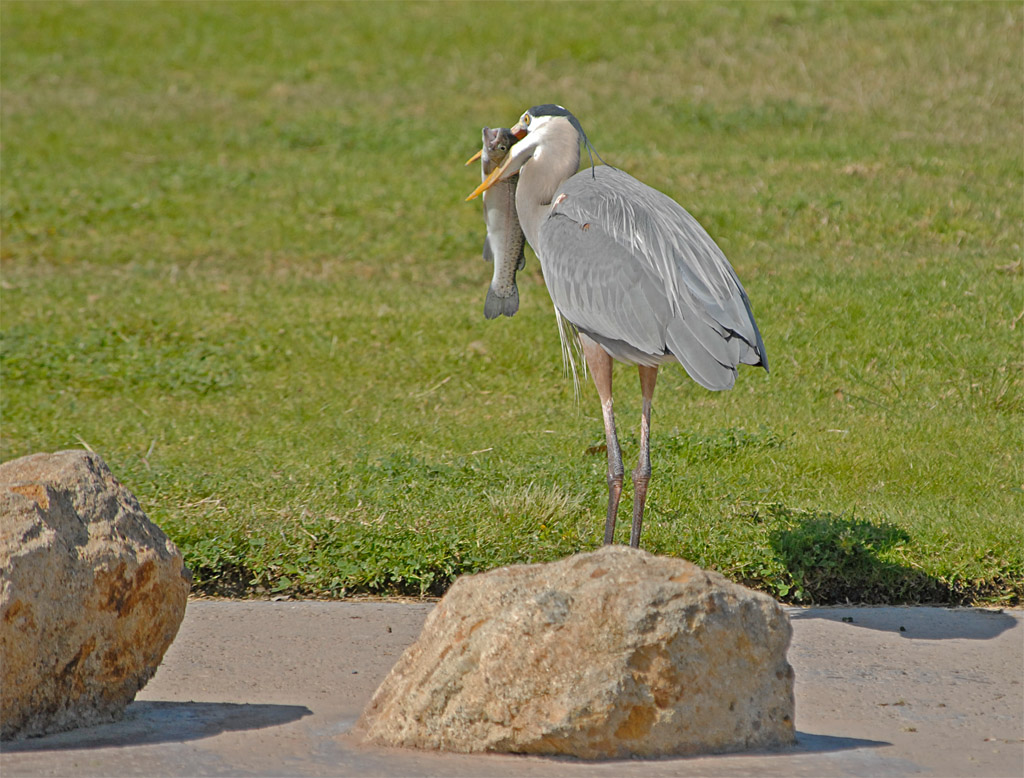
x,y
919,623
806,743
823,744
146,723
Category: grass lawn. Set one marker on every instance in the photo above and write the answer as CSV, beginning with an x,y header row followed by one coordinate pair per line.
x,y
237,263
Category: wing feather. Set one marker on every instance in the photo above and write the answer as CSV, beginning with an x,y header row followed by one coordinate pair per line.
x,y
630,267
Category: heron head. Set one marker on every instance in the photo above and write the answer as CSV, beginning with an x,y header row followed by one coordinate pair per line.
x,y
540,116
530,131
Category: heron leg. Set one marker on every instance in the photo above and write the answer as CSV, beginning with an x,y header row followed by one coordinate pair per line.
x,y
599,362
642,474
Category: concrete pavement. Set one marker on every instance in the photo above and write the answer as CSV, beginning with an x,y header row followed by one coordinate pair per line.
x,y
273,689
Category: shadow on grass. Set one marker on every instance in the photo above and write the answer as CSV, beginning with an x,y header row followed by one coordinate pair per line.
x,y
164,722
833,559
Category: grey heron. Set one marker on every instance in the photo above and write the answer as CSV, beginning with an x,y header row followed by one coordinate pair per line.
x,y
632,272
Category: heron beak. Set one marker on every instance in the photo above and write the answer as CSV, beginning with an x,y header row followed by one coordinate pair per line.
x,y
492,179
475,157
519,131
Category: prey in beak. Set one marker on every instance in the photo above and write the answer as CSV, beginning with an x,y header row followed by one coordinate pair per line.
x,y
499,172
492,179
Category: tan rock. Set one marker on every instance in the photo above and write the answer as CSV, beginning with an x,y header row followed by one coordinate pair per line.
x,y
91,594
609,654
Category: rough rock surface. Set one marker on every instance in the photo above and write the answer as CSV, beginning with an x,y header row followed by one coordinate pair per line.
x,y
609,654
91,594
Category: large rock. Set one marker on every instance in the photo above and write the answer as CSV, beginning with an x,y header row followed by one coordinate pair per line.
x,y
91,594
610,654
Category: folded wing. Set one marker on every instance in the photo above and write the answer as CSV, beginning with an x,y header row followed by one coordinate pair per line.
x,y
631,268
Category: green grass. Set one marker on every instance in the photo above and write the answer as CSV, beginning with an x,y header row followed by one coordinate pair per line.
x,y
236,263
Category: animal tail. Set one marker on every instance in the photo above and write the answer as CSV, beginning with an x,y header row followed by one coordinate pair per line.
x,y
496,306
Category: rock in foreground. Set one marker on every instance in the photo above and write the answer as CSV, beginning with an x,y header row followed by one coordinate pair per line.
x,y
91,594
610,654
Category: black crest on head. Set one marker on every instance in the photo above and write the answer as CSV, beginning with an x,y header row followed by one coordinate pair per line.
x,y
550,109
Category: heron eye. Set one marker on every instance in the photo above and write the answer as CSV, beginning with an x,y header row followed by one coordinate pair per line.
x,y
526,120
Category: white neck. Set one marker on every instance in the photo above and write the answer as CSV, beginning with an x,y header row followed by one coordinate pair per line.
x,y
555,159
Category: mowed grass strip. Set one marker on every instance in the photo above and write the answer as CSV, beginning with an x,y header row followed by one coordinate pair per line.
x,y
236,263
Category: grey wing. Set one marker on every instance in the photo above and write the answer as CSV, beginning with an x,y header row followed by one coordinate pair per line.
x,y
597,287
631,268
